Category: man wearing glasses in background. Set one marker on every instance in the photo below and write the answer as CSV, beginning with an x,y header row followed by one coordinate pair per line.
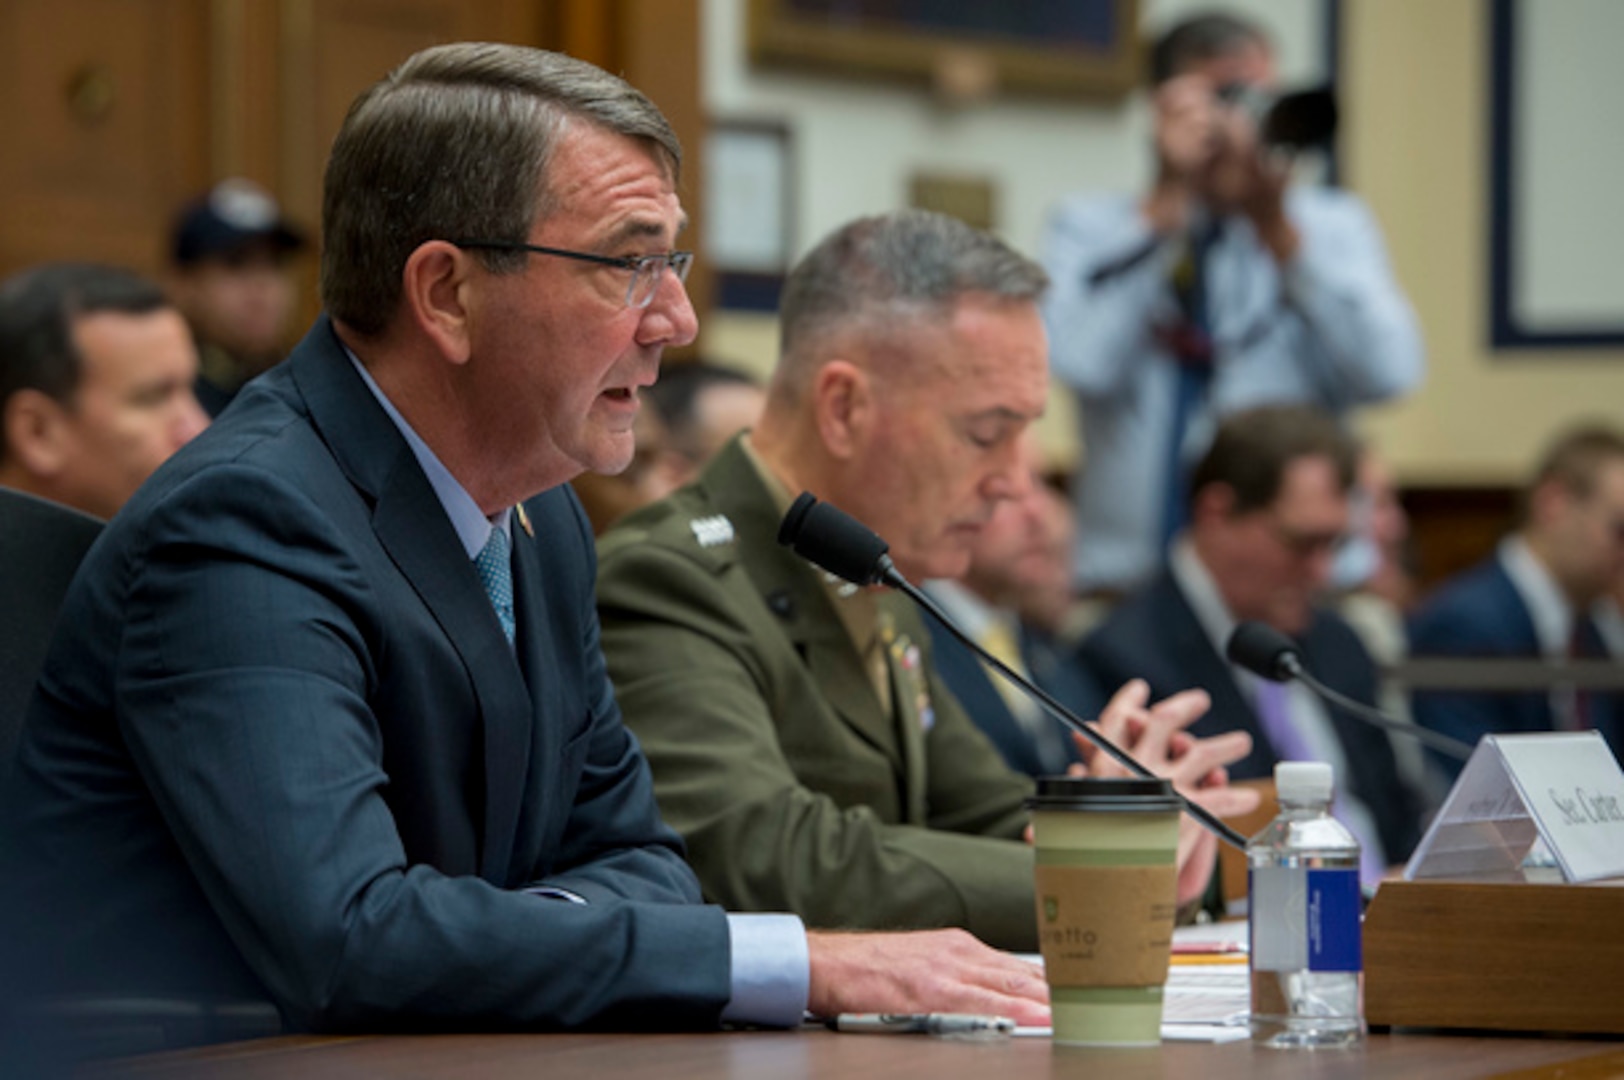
x,y
1268,507
328,722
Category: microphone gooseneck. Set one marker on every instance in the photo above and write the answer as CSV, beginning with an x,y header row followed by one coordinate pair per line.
x,y
1266,652
829,537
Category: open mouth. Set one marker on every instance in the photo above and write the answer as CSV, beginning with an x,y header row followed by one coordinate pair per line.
x,y
621,393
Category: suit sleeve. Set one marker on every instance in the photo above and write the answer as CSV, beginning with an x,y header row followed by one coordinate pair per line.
x,y
713,711
243,681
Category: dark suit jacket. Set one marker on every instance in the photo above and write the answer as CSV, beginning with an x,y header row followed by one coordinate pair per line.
x,y
1154,635
1480,613
281,746
41,544
1053,668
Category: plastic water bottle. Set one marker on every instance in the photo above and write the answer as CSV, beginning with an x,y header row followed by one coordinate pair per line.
x,y
1306,962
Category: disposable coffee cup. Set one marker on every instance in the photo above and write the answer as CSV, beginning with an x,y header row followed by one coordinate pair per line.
x,y
1107,896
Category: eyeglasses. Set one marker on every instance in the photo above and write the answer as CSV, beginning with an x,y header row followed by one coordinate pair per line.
x,y
645,270
1307,545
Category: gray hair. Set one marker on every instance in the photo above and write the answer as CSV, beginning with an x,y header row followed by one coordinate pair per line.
x,y
454,143
897,267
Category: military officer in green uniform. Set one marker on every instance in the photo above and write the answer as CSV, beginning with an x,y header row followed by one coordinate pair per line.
x,y
798,735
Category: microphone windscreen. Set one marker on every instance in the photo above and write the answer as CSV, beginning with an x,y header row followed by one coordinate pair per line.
x,y
833,539
1262,650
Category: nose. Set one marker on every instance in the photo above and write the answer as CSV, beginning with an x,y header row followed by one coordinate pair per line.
x,y
190,419
1011,479
669,318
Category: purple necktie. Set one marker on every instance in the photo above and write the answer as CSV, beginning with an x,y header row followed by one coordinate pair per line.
x,y
1274,716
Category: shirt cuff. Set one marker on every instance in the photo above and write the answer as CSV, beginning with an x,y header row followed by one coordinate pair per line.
x,y
771,970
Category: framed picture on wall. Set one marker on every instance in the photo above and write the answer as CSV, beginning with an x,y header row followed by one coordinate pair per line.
x,y
749,211
1556,240
1067,47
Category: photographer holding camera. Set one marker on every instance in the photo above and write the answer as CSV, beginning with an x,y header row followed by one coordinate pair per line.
x,y
1222,287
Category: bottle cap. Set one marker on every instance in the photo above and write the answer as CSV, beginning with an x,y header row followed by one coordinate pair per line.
x,y
1302,781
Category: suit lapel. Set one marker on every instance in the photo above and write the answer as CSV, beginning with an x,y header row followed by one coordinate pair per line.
x,y
413,528
794,591
1198,664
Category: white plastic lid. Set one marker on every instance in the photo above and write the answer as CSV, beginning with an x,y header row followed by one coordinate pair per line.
x,y
1302,781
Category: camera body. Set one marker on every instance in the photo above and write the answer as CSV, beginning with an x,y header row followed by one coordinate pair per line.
x,y
1295,121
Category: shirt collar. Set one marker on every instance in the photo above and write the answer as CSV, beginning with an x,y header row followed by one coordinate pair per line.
x,y
472,526
1196,582
1547,607
964,607
858,608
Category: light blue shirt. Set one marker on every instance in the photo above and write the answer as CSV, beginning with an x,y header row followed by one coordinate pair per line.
x,y
771,969
1329,328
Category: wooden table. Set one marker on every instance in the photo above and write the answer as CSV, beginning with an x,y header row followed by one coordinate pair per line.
x,y
813,1052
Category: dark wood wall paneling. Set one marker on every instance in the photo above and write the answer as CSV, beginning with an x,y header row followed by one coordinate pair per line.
x,y
119,110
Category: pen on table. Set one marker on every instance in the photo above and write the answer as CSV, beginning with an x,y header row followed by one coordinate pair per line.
x,y
1195,959
922,1024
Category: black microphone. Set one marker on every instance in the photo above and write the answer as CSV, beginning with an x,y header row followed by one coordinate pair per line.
x,y
1265,651
829,537
823,534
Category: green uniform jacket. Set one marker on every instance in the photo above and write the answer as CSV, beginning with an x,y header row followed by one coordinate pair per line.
x,y
770,751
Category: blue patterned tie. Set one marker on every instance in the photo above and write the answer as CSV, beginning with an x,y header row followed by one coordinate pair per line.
x,y
495,567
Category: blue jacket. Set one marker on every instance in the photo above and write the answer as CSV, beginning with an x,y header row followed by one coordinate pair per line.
x,y
1480,613
282,748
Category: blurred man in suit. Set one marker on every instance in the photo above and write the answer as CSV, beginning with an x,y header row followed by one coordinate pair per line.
x,y
96,371
1015,600
1268,509
1533,598
799,733
704,405
328,722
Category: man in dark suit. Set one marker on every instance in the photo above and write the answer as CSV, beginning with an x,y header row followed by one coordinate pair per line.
x,y
1015,600
328,722
1268,506
1534,597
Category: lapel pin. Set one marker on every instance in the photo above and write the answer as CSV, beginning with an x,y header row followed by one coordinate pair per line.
x,y
524,520
713,531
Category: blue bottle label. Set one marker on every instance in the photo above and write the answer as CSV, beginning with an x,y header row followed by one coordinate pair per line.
x,y
1305,920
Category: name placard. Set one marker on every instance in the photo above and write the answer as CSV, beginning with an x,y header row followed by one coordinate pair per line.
x,y
1564,788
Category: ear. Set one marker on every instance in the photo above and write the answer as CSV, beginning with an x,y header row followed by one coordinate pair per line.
x,y
1213,503
436,293
37,432
843,406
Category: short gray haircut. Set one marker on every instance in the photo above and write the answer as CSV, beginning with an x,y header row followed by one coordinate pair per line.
x,y
880,271
454,144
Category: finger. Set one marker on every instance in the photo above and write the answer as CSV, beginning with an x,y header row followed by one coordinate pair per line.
x,y
1226,802
992,982
1182,709
1205,755
1115,724
1126,706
